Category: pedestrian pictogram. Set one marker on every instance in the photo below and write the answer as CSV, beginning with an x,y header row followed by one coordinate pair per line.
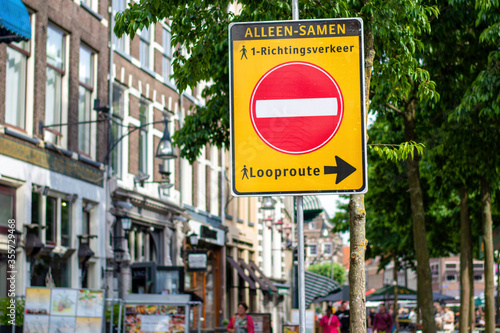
x,y
243,52
297,107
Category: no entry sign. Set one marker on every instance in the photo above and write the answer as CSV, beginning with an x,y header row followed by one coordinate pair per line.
x,y
297,107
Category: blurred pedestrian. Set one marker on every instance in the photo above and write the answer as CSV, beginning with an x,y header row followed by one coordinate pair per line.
x,y
241,322
343,314
330,322
383,321
448,320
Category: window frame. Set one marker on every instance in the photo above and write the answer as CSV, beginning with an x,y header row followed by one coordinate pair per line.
x,y
59,118
311,246
90,90
117,120
26,54
11,192
324,246
143,138
167,55
145,44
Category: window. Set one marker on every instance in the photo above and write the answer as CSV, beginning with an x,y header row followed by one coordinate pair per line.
x,y
313,249
451,278
120,43
7,207
311,225
53,90
327,248
116,129
92,4
167,55
55,213
451,266
478,265
86,79
145,40
15,90
478,277
143,138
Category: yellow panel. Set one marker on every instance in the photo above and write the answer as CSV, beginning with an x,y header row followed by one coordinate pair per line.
x,y
258,168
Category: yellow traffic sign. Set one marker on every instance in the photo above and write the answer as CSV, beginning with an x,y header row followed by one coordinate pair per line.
x,y
297,107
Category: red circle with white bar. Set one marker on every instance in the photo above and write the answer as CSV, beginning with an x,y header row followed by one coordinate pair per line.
x,y
296,107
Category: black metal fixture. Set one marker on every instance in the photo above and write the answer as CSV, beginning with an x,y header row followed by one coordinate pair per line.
x,y
268,203
165,149
324,233
194,239
33,245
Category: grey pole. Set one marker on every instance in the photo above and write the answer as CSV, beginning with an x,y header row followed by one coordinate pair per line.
x,y
300,255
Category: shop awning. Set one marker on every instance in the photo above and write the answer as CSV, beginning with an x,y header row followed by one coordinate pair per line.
x,y
241,272
312,207
14,21
318,286
262,284
263,277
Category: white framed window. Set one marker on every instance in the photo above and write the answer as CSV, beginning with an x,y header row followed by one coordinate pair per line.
x,y
143,137
55,213
121,44
92,4
56,71
117,128
451,278
478,277
313,249
451,266
85,93
167,56
327,248
16,77
312,226
144,47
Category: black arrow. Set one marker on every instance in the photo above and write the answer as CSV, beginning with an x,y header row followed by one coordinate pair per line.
x,y
343,169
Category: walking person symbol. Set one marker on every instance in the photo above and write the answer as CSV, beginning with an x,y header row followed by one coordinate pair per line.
x,y
243,52
245,174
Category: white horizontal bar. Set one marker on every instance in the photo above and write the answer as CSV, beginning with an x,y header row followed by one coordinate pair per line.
x,y
304,107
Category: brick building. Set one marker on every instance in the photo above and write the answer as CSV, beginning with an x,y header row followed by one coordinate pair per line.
x,y
51,178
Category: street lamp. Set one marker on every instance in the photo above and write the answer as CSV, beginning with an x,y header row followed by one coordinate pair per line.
x,y
268,203
194,239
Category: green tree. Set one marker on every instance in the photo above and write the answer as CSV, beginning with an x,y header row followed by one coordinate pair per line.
x,y
391,31
325,269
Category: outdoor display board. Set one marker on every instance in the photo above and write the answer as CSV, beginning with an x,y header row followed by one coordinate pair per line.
x,y
297,107
155,318
261,322
151,313
65,310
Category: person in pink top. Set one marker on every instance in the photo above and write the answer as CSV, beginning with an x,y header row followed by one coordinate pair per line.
x,y
330,322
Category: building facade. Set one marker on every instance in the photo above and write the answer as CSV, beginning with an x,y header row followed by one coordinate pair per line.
x,y
52,176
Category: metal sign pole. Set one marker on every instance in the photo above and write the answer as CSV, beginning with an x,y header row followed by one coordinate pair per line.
x,y
301,273
300,225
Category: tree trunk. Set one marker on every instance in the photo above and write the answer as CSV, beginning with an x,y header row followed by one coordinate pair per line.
x,y
424,277
465,251
357,283
489,286
472,309
357,220
396,290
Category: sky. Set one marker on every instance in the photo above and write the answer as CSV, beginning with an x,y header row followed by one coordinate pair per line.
x,y
330,203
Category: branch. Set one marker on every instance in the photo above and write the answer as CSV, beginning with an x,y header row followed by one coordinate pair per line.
x,y
395,108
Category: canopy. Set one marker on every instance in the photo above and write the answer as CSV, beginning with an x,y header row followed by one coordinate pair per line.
x,y
387,293
404,294
312,207
341,295
318,286
14,21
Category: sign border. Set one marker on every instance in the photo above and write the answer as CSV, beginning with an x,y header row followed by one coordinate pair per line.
x,y
361,190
